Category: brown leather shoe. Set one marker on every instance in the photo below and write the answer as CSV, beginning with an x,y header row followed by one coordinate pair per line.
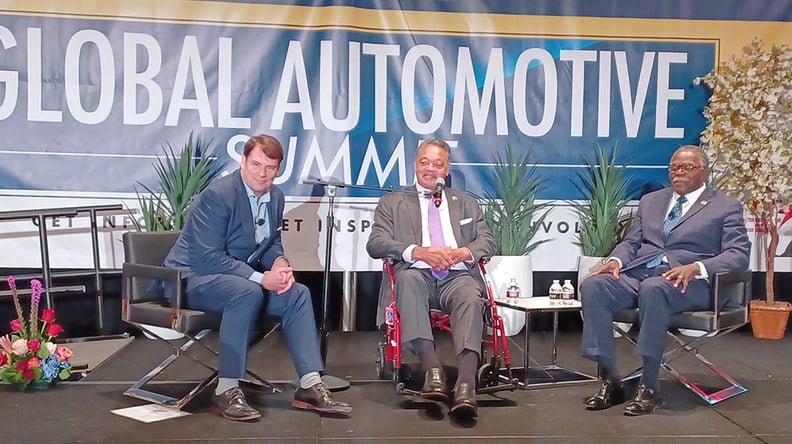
x,y
318,398
434,387
645,401
231,405
610,393
464,401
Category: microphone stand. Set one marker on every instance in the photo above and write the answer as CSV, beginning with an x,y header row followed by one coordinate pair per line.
x,y
332,382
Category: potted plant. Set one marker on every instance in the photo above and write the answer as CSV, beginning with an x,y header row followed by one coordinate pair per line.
x,y
602,221
182,176
749,140
509,210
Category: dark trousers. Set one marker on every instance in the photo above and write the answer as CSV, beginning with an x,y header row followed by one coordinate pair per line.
x,y
656,298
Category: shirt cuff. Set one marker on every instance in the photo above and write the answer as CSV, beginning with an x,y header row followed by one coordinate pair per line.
x,y
615,259
702,270
407,253
256,277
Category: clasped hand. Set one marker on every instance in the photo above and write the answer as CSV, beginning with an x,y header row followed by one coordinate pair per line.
x,y
441,258
279,278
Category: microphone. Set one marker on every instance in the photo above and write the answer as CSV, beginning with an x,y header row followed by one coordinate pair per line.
x,y
260,222
437,194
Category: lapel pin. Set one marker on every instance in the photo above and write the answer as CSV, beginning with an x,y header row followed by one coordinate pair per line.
x,y
704,202
453,198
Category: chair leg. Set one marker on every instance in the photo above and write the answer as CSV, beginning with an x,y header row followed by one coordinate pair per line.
x,y
691,347
733,389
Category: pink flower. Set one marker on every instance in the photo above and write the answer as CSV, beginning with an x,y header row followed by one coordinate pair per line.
x,y
12,282
6,344
54,330
48,315
34,345
3,359
34,362
63,353
16,326
20,347
22,366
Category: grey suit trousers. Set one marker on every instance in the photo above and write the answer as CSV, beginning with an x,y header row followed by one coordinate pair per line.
x,y
656,298
459,295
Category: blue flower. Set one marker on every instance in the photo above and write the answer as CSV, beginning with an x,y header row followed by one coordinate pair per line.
x,y
50,368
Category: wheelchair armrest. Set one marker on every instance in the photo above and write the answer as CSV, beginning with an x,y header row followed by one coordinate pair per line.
x,y
171,277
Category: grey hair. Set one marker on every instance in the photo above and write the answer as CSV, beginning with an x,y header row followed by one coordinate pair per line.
x,y
698,150
436,142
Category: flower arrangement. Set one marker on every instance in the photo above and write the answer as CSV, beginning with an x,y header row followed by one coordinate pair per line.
x,y
749,136
28,354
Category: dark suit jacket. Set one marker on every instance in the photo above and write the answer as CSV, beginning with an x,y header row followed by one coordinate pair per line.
x,y
397,225
219,235
712,231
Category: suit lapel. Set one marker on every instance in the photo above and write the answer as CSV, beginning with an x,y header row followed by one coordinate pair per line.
x,y
454,214
413,207
703,200
242,205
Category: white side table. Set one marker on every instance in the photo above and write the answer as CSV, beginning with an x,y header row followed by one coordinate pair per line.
x,y
544,375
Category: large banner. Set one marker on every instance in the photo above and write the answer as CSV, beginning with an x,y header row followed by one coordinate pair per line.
x,y
90,93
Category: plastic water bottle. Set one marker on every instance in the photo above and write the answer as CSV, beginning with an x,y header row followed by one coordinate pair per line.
x,y
555,292
513,289
567,292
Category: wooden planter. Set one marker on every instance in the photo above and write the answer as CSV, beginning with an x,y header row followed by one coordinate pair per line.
x,y
769,321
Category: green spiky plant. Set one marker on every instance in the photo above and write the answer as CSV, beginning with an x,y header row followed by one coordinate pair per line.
x,y
605,192
182,176
510,208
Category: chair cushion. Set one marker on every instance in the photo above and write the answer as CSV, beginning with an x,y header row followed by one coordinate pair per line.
x,y
693,320
188,321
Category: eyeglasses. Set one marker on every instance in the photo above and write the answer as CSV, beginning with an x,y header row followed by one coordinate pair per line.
x,y
685,167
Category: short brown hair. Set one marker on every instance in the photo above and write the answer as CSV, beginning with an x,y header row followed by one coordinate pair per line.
x,y
268,144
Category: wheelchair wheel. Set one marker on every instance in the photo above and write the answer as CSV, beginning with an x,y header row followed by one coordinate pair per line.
x,y
488,375
384,368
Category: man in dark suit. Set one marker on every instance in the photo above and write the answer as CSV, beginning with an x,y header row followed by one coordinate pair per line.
x,y
679,237
232,256
436,248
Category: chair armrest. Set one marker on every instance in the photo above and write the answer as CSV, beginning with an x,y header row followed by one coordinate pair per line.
x,y
171,277
733,285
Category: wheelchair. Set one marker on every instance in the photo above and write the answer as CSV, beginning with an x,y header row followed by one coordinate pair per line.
x,y
494,372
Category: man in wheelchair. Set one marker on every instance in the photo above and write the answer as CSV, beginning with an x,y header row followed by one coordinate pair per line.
x,y
436,236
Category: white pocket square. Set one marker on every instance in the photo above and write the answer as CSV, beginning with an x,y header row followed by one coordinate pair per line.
x,y
466,221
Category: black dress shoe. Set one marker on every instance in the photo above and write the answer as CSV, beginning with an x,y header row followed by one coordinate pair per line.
x,y
464,401
645,401
231,405
318,398
610,393
434,387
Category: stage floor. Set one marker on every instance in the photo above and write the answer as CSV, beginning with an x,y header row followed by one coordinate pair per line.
x,y
80,411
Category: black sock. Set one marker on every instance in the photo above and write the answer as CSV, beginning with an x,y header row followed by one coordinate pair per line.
x,y
651,370
467,364
607,371
426,353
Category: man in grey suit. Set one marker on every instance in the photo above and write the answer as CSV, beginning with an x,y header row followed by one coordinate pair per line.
x,y
436,236
679,236
232,256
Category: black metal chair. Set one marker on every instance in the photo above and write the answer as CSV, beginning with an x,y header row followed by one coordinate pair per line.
x,y
153,295
730,294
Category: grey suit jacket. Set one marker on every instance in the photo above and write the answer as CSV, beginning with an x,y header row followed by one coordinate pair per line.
x,y
397,225
219,235
712,231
